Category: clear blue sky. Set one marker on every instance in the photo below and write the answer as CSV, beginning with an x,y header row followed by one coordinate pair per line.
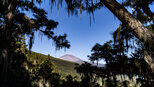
x,y
81,35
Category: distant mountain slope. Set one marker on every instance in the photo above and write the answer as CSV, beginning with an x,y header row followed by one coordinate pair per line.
x,y
64,67
71,58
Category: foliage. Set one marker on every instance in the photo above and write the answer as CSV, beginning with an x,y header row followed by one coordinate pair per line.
x,y
88,75
24,25
141,8
62,67
14,25
15,67
118,62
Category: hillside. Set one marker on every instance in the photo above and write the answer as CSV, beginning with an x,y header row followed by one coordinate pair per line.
x,y
62,66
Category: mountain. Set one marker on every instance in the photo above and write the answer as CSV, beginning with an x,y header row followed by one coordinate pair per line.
x,y
71,58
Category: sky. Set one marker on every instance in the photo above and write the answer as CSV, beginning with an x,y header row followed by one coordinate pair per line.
x,y
81,35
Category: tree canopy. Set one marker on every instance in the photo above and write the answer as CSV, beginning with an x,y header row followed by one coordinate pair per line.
x,y
15,24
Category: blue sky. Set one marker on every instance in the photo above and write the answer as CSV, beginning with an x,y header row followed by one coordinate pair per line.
x,y
81,35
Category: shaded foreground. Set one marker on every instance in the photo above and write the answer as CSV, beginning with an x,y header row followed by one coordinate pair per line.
x,y
45,71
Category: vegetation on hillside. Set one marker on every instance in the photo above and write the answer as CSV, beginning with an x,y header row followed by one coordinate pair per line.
x,y
61,66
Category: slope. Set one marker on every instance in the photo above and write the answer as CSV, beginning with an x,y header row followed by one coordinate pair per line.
x,y
63,67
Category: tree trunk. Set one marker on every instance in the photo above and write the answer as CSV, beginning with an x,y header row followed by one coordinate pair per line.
x,y
3,67
6,41
135,26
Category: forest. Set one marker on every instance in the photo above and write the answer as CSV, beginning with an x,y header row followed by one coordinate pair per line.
x,y
128,57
